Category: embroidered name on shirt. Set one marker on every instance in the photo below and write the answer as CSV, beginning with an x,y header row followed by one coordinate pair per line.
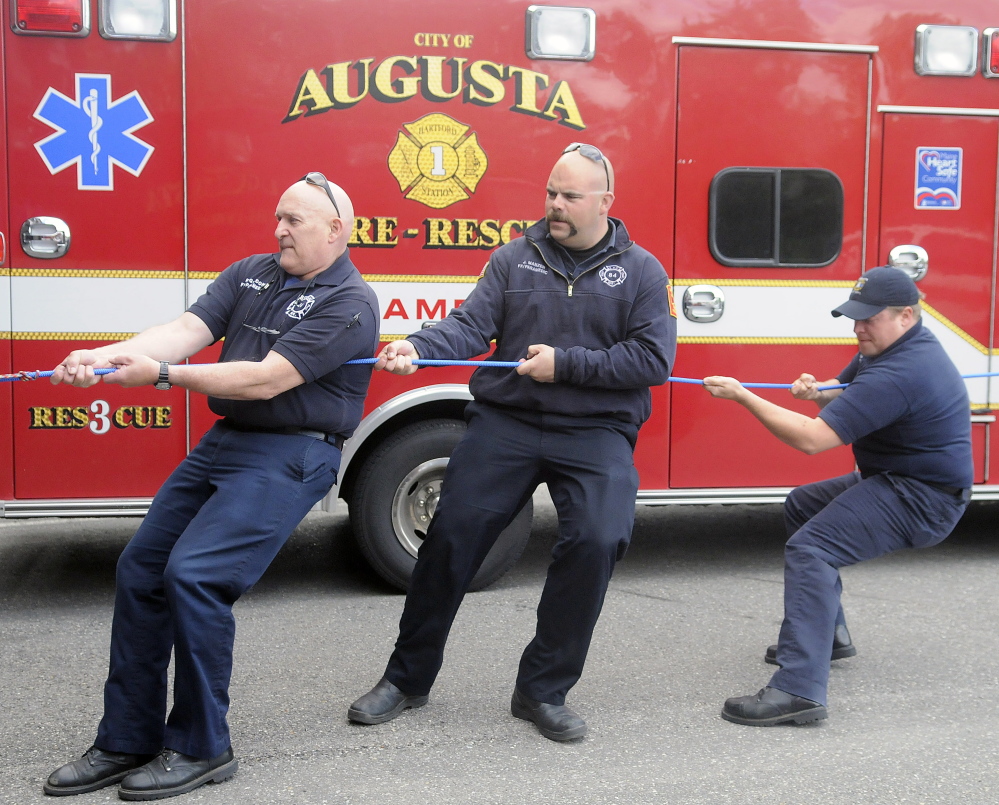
x,y
612,275
254,284
530,265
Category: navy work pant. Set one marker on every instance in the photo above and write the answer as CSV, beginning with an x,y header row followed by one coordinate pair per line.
x,y
588,466
837,523
212,530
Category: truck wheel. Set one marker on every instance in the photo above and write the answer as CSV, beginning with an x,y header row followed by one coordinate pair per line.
x,y
396,494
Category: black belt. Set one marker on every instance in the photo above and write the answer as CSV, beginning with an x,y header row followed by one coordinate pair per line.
x,y
334,439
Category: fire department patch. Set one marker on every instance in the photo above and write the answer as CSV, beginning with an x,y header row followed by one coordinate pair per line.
x,y
612,275
858,286
672,301
436,161
300,306
482,273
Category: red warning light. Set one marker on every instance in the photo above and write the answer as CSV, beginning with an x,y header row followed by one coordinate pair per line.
x,y
991,60
66,17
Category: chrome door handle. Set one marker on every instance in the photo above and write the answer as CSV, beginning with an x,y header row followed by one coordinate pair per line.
x,y
45,237
703,303
913,260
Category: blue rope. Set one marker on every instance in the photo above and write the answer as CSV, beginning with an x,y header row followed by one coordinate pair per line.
x,y
46,373
480,364
695,381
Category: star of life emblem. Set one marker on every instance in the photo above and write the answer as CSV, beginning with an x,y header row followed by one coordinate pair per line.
x,y
300,306
612,275
93,132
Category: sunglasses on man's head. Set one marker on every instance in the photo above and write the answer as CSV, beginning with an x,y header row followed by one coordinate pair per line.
x,y
590,152
318,180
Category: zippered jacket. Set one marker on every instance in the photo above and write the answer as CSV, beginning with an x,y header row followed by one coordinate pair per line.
x,y
612,326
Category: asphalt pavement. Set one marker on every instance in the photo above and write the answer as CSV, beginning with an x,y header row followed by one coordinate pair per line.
x,y
912,718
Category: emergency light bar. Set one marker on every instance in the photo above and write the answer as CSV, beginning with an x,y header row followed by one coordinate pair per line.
x,y
154,20
946,50
50,17
990,52
559,32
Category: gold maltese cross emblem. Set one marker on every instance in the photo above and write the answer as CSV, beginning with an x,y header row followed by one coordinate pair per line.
x,y
436,161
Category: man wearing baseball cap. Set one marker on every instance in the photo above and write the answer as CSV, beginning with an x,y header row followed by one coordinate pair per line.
x,y
905,411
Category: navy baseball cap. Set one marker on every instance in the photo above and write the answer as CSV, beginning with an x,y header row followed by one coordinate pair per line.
x,y
878,288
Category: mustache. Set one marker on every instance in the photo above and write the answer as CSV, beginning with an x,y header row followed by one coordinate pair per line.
x,y
552,215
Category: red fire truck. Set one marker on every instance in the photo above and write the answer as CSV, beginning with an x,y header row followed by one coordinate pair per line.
x,y
767,151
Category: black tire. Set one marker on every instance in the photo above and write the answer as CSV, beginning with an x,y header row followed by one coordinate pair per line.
x,y
389,512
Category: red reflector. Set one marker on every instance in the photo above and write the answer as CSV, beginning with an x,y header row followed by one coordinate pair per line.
x,y
994,54
50,16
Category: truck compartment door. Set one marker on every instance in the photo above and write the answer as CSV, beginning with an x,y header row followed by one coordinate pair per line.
x,y
938,202
93,128
779,128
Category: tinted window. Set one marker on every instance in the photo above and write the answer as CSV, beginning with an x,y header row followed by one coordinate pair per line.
x,y
776,217
745,219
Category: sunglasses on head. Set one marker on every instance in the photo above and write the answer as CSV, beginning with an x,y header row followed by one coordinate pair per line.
x,y
590,152
316,179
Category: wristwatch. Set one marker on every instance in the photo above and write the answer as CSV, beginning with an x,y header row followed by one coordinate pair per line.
x,y
163,381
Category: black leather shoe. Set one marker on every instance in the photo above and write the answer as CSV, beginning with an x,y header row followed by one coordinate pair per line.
x,y
770,707
842,647
96,769
555,721
170,773
382,703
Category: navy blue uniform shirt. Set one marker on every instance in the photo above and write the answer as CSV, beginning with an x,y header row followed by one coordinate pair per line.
x,y
317,325
610,325
906,411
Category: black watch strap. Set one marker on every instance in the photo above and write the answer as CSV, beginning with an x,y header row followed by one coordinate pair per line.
x,y
163,381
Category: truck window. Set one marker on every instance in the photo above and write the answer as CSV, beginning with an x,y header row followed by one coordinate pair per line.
x,y
789,217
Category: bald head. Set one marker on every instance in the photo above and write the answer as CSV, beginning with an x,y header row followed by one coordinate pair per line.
x,y
578,200
310,233
344,209
601,167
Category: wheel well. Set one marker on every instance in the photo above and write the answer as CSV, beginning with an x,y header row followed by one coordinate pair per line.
x,y
438,409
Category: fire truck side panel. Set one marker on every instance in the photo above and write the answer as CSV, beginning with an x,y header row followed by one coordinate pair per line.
x,y
979,446
6,366
443,130
990,436
244,153
708,449
892,25
653,449
788,109
272,141
954,224
105,441
959,240
119,222
201,416
95,141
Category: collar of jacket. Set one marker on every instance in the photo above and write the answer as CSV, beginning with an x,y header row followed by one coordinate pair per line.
x,y
538,234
